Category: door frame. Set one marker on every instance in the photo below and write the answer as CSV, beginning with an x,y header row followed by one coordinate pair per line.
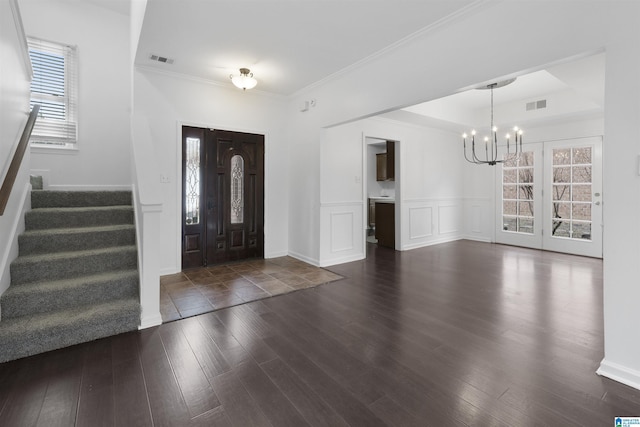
x,y
178,185
592,248
398,189
542,152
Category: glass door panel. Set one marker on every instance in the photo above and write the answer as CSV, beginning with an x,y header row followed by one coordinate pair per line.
x,y
569,216
520,190
573,212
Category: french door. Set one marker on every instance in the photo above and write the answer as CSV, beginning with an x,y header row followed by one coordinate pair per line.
x,y
551,197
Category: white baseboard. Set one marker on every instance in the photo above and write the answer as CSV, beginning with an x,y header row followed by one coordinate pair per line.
x,y
275,254
431,243
335,261
167,271
150,322
477,238
622,374
304,258
10,251
89,187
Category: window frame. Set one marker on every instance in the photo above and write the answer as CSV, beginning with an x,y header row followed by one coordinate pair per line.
x,y
52,133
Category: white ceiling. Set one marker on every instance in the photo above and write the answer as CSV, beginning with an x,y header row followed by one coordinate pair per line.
x,y
287,44
573,88
292,44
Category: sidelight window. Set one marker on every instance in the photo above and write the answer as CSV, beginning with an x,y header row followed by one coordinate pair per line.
x,y
192,181
237,189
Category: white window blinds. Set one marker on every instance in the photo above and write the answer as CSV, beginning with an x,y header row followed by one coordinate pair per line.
x,y
54,87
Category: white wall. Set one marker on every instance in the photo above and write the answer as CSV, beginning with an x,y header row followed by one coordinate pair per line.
x,y
428,187
453,56
104,90
170,102
15,76
621,192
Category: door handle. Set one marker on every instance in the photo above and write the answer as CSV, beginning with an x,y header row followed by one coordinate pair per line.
x,y
596,203
209,204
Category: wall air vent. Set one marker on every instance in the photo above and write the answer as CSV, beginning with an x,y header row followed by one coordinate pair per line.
x,y
536,105
162,59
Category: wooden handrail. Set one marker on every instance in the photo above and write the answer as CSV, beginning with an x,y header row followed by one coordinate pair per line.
x,y
14,167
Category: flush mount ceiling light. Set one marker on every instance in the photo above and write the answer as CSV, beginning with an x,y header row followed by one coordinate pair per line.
x,y
245,80
491,142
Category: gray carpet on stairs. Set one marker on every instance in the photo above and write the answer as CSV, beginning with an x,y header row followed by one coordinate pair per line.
x,y
76,277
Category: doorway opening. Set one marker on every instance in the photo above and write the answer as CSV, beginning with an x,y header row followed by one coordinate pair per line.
x,y
222,196
381,190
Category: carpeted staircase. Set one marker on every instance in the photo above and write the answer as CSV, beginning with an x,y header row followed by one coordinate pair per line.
x,y
76,277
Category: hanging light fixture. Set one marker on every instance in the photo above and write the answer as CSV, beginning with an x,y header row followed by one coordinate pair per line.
x,y
491,142
245,80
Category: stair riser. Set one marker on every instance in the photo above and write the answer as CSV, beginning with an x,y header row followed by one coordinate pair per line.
x,y
16,344
31,245
45,300
74,266
42,220
54,199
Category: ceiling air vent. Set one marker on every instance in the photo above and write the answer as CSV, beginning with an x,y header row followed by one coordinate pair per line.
x,y
536,105
162,59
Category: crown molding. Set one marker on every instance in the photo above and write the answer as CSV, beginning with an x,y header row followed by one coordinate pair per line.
x,y
201,80
435,26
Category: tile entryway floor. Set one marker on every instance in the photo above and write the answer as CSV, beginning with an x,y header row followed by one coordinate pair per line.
x,y
205,289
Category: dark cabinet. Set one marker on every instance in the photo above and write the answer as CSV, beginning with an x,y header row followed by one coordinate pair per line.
x,y
385,224
385,164
381,167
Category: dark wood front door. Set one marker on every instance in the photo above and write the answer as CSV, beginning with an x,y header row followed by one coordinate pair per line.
x,y
223,200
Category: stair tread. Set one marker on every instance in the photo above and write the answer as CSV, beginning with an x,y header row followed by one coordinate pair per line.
x,y
26,259
33,334
46,320
77,230
83,208
80,198
54,285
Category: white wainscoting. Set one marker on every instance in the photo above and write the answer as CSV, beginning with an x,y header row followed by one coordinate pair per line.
x,y
424,222
430,221
420,222
478,220
341,232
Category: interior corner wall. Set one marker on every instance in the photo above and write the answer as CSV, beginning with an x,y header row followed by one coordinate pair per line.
x,y
104,93
170,101
303,133
621,202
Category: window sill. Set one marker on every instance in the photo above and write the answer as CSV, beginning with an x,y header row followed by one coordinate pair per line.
x,y
47,149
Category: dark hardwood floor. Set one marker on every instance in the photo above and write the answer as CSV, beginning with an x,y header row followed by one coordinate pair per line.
x,y
458,334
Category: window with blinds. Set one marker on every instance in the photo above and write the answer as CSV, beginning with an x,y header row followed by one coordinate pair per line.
x,y
54,87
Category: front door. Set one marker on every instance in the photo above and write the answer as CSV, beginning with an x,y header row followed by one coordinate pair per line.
x,y
223,196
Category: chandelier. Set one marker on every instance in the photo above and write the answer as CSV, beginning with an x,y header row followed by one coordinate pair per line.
x,y
490,156
245,80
